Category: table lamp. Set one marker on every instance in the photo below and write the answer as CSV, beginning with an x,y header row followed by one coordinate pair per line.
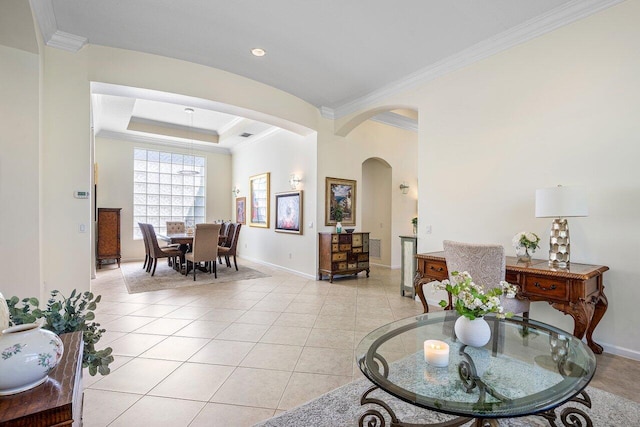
x,y
559,203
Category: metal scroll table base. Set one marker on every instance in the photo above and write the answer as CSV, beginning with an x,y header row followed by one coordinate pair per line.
x,y
570,416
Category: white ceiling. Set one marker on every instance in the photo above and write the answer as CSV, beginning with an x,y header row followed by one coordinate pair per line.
x,y
338,55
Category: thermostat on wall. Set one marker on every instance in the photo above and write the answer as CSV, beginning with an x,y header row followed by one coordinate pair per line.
x,y
81,194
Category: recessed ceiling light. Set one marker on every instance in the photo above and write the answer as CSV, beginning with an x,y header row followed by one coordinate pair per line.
x,y
258,52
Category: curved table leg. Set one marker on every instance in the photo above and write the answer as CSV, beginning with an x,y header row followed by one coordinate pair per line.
x,y
600,309
583,314
418,283
570,416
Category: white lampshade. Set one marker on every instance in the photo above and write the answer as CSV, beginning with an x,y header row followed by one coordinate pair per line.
x,y
561,202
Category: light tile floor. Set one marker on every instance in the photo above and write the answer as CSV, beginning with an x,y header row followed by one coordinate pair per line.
x,y
237,353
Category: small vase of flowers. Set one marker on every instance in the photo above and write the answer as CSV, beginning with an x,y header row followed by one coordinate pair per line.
x,y
525,243
472,302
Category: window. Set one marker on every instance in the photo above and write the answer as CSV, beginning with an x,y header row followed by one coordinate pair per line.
x,y
161,194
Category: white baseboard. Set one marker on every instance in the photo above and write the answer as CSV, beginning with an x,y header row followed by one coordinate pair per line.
x,y
379,265
279,267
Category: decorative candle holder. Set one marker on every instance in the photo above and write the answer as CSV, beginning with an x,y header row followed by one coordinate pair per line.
x,y
436,353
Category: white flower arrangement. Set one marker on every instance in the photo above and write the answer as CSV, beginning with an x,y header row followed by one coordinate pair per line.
x,y
471,299
526,239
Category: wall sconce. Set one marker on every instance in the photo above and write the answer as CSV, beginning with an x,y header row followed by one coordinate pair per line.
x,y
294,180
404,187
235,191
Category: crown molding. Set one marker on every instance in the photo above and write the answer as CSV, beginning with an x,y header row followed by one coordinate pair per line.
x,y
158,141
66,41
552,20
52,36
396,120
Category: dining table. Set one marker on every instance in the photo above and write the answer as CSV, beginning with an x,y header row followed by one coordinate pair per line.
x,y
185,240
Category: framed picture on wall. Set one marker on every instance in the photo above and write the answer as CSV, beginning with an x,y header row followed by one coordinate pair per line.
x,y
241,210
289,212
259,193
340,196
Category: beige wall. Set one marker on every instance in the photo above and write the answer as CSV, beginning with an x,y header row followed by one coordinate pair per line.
x,y
115,186
560,109
281,154
19,173
66,157
342,157
376,206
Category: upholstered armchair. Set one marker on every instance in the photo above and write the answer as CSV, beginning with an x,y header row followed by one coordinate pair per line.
x,y
205,247
487,266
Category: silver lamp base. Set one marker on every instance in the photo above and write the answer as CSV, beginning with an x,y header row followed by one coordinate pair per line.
x,y
559,243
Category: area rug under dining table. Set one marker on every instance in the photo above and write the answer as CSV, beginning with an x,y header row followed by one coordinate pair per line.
x,y
138,280
341,407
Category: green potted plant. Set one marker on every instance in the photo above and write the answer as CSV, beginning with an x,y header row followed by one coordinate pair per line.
x,y
414,222
338,215
63,315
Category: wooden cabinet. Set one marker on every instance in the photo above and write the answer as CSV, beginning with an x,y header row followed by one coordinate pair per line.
x,y
57,401
108,235
344,253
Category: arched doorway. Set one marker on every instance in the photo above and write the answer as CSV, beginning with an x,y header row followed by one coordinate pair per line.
x,y
377,208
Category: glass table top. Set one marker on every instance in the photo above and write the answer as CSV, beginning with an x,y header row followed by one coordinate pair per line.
x,y
527,366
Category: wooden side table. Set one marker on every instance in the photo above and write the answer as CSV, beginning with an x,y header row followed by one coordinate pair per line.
x,y
577,291
57,401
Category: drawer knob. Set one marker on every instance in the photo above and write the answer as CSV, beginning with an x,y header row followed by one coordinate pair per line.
x,y
538,285
440,269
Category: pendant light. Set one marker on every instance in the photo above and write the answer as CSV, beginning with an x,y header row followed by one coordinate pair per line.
x,y
192,170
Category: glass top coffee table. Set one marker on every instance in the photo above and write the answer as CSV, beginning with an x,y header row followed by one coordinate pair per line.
x,y
527,368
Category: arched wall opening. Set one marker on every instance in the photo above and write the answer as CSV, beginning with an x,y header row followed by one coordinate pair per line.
x,y
377,208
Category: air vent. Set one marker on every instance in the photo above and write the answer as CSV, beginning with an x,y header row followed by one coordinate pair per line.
x,y
374,248
246,135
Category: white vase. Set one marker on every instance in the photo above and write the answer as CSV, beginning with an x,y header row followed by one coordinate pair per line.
x,y
338,227
474,333
524,254
27,355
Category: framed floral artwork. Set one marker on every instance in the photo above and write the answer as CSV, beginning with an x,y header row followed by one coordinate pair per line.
x,y
259,193
241,210
289,212
340,200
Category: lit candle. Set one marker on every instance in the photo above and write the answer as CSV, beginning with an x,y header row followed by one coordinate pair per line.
x,y
436,353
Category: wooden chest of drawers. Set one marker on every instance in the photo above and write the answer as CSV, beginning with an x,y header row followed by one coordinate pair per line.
x,y
345,253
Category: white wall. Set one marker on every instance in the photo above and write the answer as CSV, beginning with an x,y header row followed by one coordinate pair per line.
x,y
281,154
19,173
115,186
560,109
342,157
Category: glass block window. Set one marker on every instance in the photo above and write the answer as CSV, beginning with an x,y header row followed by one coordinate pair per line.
x,y
161,193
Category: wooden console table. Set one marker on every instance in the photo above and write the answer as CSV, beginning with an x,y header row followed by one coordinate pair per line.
x,y
57,401
577,291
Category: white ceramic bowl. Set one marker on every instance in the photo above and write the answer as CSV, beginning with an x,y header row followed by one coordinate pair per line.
x,y
27,355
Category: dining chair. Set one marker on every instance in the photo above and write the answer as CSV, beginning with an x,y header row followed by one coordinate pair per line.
x,y
487,266
147,252
224,230
231,229
205,248
174,227
156,251
229,251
